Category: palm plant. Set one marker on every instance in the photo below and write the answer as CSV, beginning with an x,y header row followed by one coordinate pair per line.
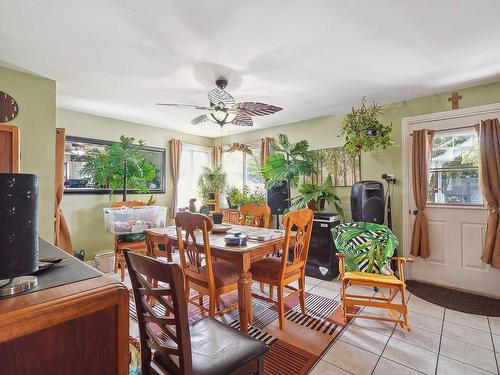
x,y
120,166
315,196
374,242
288,162
211,181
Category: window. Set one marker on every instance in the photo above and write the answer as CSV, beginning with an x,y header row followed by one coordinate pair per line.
x,y
454,170
243,169
193,159
75,150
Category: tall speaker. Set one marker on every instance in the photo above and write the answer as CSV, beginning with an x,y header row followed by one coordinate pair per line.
x,y
277,198
367,202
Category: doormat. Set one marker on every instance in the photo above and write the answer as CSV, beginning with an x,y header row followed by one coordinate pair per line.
x,y
292,351
455,299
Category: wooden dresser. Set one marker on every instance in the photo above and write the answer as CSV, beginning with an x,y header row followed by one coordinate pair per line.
x,y
77,328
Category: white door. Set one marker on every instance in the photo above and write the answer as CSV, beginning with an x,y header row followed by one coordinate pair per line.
x,y
455,209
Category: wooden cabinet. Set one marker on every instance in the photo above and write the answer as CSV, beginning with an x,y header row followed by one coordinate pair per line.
x,y
78,328
230,215
9,149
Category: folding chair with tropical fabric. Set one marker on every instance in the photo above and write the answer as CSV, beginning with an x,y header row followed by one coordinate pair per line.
x,y
366,250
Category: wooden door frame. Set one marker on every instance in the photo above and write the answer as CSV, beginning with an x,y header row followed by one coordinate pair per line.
x,y
16,156
406,123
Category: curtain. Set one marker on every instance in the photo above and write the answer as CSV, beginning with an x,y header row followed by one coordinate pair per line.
x,y
265,149
489,183
175,165
62,239
421,158
216,155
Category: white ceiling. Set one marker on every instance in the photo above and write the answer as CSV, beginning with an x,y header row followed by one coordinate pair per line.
x,y
117,58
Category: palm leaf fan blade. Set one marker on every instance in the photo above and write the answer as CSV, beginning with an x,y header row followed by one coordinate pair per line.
x,y
256,108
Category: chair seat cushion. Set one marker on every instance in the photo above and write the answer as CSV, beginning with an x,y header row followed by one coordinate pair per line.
x,y
224,274
269,268
372,277
218,349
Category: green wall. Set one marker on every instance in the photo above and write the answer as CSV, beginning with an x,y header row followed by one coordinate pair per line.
x,y
322,132
83,212
36,97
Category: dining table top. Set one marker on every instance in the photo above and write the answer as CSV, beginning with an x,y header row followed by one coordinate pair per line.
x,y
256,237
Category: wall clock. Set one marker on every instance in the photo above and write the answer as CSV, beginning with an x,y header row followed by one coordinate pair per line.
x,y
8,107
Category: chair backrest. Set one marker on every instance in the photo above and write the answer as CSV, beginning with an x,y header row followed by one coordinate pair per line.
x,y
194,250
298,225
128,204
156,243
255,215
173,342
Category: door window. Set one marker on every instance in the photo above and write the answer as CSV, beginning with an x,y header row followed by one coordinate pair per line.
x,y
454,170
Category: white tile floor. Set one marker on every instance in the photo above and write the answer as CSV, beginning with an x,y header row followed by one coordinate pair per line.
x,y
441,341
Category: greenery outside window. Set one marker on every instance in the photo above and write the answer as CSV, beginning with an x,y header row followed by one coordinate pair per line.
x,y
454,170
76,149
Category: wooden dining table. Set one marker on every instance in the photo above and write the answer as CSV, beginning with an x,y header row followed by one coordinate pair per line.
x,y
241,256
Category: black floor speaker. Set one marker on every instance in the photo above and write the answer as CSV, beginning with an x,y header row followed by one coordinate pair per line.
x,y
277,198
367,202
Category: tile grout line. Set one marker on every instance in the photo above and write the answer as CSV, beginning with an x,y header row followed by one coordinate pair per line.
x,y
493,343
440,339
387,343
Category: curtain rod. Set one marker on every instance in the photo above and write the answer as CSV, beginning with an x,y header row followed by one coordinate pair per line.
x,y
456,128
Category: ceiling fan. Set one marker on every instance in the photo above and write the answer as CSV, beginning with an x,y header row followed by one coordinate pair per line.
x,y
224,110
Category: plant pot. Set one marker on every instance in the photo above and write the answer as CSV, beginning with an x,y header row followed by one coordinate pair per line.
x,y
217,217
316,206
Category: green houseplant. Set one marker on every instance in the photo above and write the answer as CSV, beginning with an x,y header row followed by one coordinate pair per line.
x,y
363,131
211,181
315,196
376,243
288,162
238,197
120,166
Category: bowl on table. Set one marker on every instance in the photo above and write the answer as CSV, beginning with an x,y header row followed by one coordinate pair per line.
x,y
221,228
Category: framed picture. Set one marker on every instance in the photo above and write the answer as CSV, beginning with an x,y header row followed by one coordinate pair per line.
x,y
75,150
343,169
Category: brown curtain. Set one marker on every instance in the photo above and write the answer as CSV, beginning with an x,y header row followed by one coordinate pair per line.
x,y
175,163
216,155
62,239
421,159
265,149
489,182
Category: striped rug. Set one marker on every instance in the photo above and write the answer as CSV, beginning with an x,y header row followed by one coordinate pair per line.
x,y
292,351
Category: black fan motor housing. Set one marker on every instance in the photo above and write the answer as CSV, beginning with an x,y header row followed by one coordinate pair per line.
x,y
367,202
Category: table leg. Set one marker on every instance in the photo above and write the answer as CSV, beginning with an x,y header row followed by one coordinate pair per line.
x,y
245,299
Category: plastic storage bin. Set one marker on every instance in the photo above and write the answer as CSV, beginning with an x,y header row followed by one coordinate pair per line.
x,y
125,220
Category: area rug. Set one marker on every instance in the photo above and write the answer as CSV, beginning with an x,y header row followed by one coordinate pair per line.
x,y
455,299
293,351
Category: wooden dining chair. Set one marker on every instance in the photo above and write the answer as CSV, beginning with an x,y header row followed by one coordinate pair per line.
x,y
158,245
201,273
290,267
168,344
137,246
255,215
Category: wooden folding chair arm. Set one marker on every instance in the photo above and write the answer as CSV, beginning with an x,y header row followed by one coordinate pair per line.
x,y
401,261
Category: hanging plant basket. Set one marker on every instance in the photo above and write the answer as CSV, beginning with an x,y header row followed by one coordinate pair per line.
x,y
363,131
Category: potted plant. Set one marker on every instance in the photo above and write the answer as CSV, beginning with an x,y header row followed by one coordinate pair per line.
x,y
315,197
288,163
120,166
211,182
363,131
237,198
